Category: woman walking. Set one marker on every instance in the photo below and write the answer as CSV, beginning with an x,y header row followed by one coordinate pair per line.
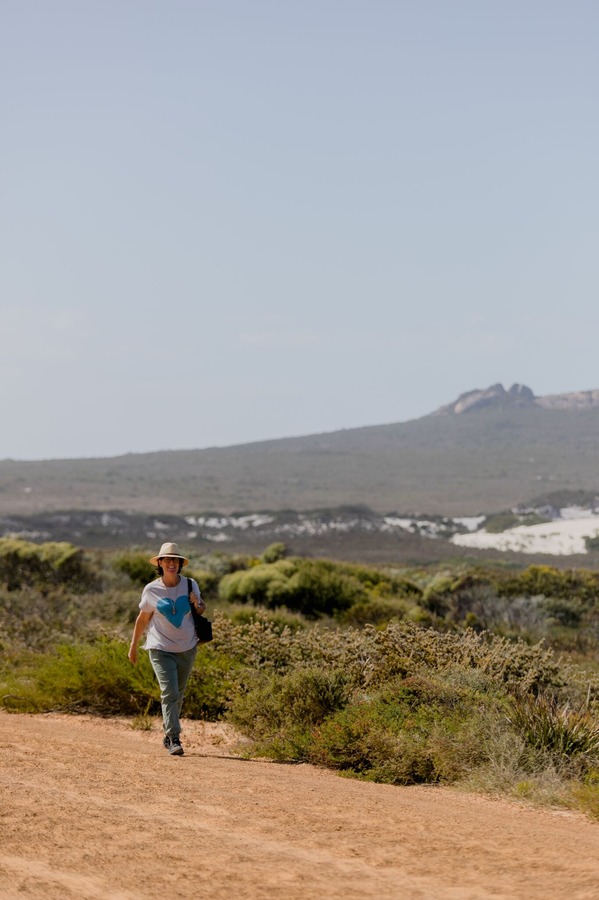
x,y
171,639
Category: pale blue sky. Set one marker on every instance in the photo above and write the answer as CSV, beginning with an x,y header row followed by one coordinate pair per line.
x,y
227,221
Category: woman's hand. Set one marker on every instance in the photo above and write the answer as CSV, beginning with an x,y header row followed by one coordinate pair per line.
x,y
197,602
138,629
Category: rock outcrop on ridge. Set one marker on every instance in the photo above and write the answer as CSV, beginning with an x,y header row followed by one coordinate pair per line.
x,y
518,395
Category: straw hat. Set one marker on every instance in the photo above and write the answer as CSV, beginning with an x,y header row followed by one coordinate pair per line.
x,y
169,550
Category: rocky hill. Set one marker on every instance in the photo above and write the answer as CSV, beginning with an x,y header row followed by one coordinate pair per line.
x,y
520,395
510,448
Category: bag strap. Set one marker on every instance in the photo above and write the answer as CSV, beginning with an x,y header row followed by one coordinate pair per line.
x,y
192,606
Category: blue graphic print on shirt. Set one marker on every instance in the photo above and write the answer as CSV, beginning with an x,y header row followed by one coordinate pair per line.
x,y
174,611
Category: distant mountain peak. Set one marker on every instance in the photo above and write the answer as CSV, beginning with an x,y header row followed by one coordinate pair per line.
x,y
496,395
518,395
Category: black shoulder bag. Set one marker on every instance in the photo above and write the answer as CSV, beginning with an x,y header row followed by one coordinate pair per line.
x,y
203,625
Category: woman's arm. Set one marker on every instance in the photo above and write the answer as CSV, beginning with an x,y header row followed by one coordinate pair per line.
x,y
140,626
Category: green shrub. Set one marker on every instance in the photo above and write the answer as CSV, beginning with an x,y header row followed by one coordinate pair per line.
x,y
312,587
436,596
211,685
381,582
585,796
565,611
414,730
262,585
563,731
137,566
500,522
405,647
317,588
95,677
43,566
260,643
34,619
373,656
274,552
207,583
281,618
551,582
452,597
373,612
278,712
403,587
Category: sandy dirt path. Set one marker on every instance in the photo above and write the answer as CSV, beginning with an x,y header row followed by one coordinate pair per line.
x,y
91,808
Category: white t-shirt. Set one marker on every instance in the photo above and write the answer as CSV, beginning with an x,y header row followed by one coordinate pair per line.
x,y
171,627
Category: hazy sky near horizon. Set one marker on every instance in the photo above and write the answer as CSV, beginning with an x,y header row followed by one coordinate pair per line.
x,y
229,221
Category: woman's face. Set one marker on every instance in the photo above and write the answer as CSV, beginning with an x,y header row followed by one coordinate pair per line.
x,y
169,565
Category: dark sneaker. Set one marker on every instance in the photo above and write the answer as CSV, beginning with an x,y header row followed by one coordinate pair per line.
x,y
175,748
166,741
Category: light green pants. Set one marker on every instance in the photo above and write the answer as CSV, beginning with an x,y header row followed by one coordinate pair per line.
x,y
172,671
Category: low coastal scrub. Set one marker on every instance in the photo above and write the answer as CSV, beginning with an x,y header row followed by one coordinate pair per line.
x,y
97,677
43,566
396,675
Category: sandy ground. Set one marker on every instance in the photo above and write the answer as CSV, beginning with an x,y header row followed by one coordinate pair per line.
x,y
91,808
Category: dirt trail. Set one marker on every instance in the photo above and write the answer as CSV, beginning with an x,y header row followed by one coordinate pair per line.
x,y
90,808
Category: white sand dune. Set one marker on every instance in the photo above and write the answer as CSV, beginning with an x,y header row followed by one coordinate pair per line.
x,y
563,537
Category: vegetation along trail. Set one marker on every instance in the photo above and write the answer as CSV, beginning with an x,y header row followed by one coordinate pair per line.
x,y
92,808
